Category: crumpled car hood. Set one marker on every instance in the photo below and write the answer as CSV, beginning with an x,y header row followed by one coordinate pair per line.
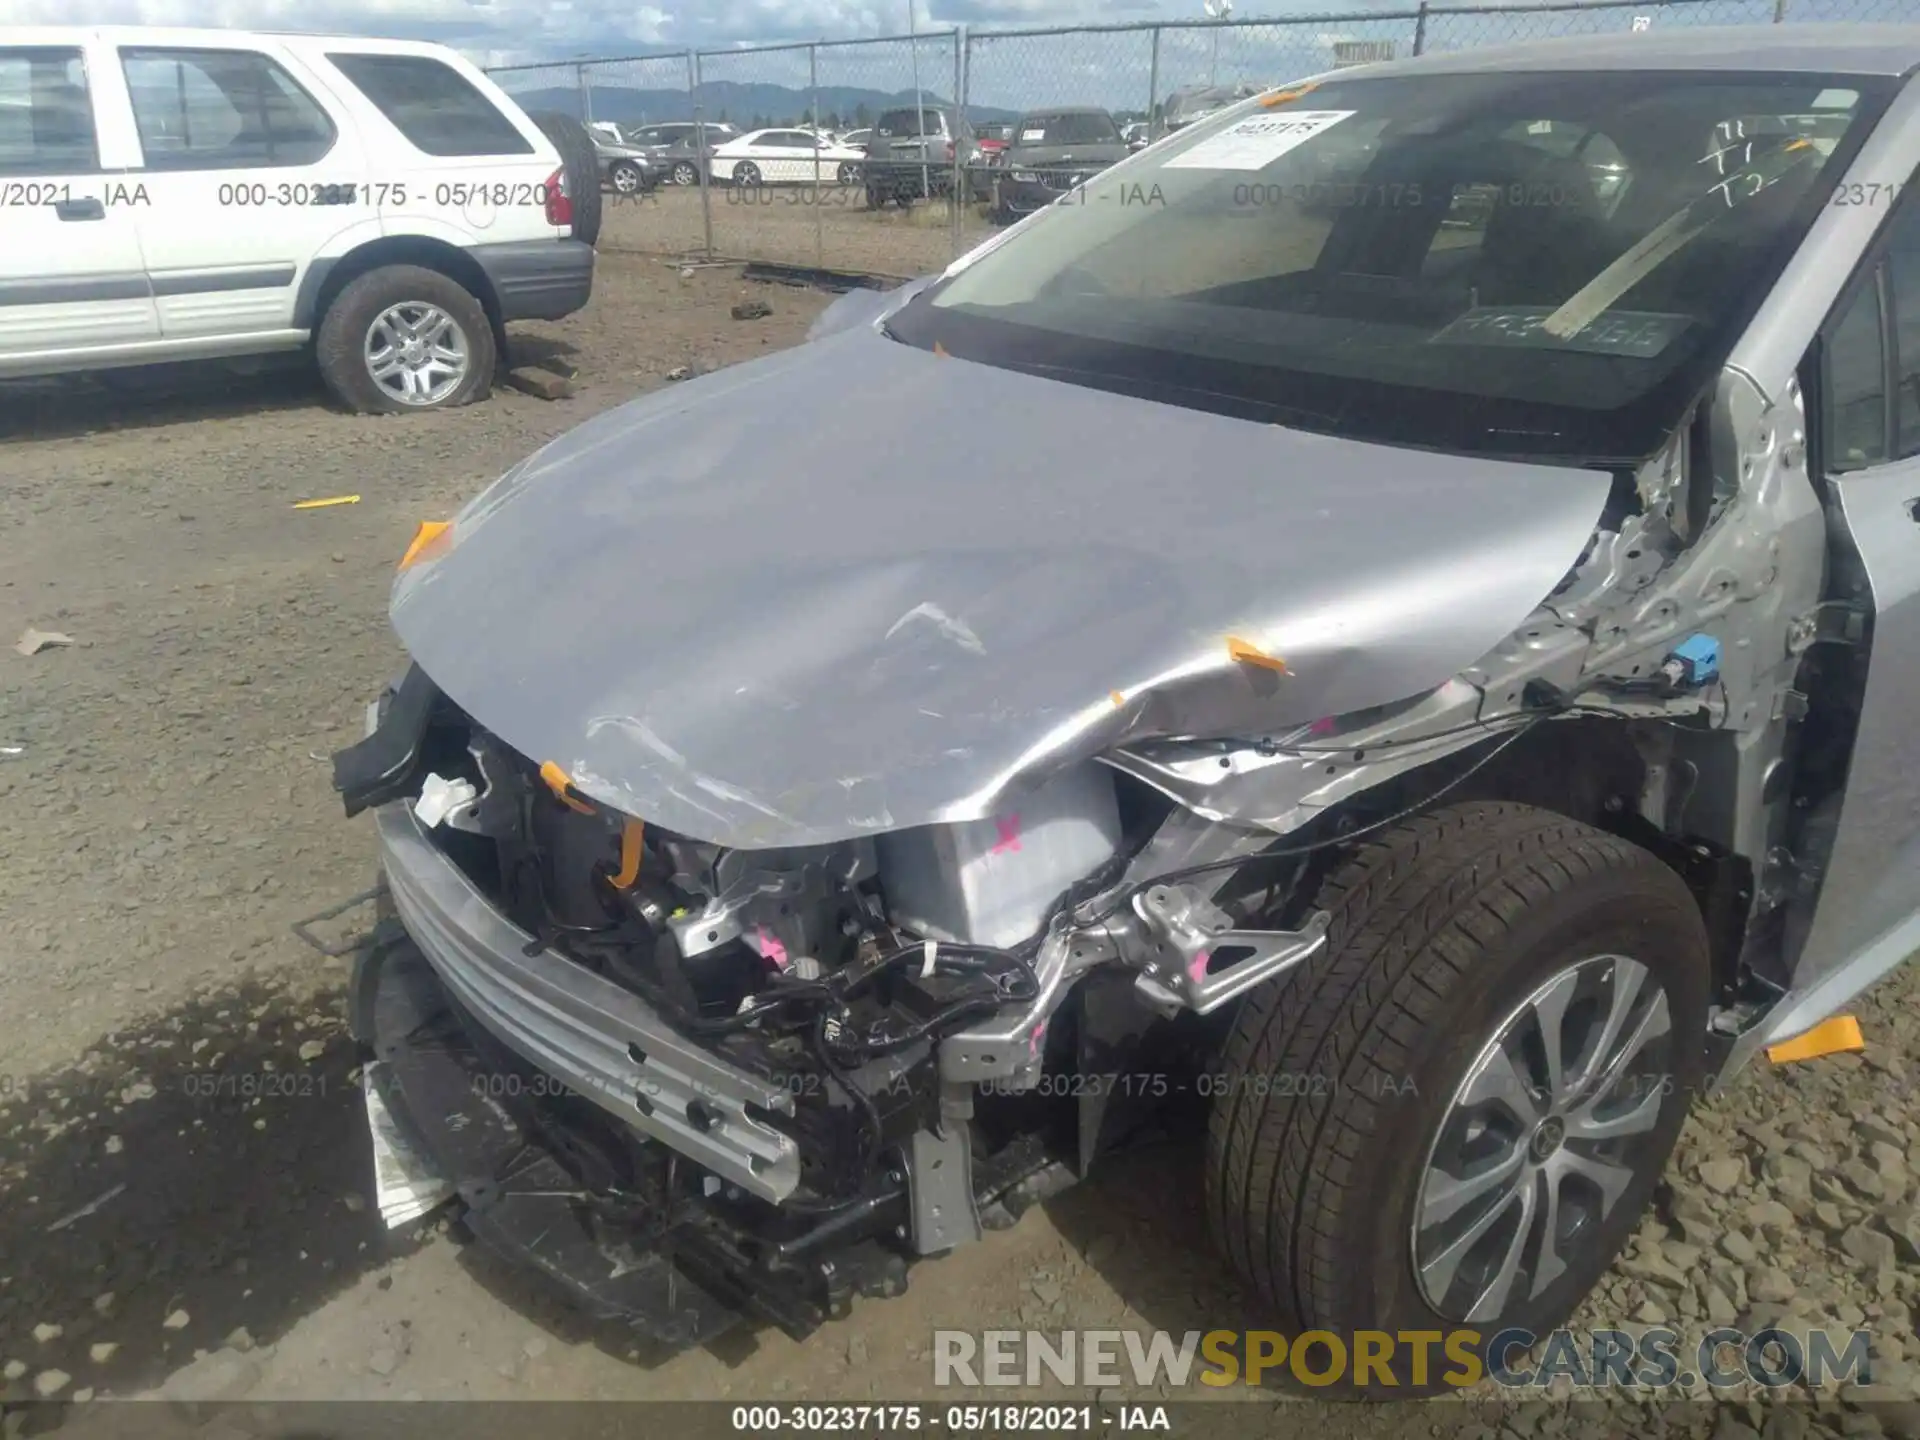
x,y
752,612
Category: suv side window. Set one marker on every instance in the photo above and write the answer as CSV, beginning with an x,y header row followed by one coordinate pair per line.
x,y
46,114
436,107
222,110
1871,349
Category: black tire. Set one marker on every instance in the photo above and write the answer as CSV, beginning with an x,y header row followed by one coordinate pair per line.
x,y
340,344
684,173
582,165
848,175
876,198
1440,927
627,178
746,174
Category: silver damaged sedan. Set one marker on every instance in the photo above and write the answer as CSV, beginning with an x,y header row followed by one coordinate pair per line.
x,y
1416,684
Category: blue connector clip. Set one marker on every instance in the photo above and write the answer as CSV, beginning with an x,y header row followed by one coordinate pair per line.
x,y
1694,662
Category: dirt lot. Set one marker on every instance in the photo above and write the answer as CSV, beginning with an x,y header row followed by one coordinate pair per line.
x,y
182,1163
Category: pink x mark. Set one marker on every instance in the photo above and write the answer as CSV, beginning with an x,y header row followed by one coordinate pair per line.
x,y
1009,828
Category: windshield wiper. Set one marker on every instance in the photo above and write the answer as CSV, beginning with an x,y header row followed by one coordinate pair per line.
x,y
1273,410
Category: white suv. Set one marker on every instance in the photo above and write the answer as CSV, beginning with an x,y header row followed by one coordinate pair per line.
x,y
170,194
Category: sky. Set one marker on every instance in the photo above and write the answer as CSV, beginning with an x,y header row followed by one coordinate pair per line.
x,y
496,32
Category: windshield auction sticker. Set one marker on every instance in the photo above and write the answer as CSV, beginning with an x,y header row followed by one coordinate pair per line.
x,y
1255,143
1636,334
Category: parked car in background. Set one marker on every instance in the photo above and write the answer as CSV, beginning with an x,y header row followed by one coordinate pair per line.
x,y
195,194
673,148
1183,107
857,139
624,167
1052,152
992,139
1137,134
785,157
911,152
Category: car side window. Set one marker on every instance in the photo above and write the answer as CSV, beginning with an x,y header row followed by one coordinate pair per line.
x,y
1854,381
46,113
222,110
1903,297
437,108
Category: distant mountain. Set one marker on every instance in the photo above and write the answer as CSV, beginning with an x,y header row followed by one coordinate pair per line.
x,y
739,104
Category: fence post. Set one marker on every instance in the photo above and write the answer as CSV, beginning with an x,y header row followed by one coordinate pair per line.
x,y
585,90
1779,11
700,149
1153,89
813,89
1420,30
962,181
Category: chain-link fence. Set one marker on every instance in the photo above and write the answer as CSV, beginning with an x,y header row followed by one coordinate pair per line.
x,y
882,156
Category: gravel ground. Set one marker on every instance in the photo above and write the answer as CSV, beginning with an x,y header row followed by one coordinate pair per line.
x,y
182,1164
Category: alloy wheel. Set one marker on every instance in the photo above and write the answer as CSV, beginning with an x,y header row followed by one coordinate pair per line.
x,y
417,353
1549,1126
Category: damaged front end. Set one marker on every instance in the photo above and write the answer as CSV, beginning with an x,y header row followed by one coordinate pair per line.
x,y
754,1059
692,1082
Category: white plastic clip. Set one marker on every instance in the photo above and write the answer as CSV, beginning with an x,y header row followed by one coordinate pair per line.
x,y
927,952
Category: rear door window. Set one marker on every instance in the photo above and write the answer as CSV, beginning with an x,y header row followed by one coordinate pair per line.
x,y
222,110
437,108
46,114
908,123
1068,130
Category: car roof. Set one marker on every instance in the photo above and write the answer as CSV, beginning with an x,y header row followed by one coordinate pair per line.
x,y
205,37
1812,49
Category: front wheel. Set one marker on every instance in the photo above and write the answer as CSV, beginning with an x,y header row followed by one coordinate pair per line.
x,y
849,174
685,174
1456,1113
627,178
405,338
747,174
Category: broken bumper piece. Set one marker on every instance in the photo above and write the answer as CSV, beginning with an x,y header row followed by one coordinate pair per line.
x,y
603,1042
407,1185
438,1090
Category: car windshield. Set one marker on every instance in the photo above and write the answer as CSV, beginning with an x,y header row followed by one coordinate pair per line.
x,y
1077,128
1547,265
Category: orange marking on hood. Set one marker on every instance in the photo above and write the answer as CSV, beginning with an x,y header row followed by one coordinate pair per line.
x,y
431,536
1248,653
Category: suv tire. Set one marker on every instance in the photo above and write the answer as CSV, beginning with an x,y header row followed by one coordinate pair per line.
x,y
346,336
627,178
684,173
1456,938
582,164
